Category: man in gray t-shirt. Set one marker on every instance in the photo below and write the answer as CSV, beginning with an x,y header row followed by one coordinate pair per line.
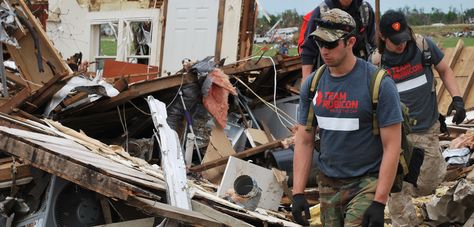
x,y
408,59
357,168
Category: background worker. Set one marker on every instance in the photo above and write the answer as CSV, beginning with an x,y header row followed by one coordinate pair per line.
x,y
357,169
361,12
408,59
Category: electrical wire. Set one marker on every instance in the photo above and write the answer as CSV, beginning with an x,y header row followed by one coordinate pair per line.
x,y
124,125
286,117
136,107
274,106
177,93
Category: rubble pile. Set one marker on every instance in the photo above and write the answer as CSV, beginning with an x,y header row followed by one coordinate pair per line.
x,y
208,146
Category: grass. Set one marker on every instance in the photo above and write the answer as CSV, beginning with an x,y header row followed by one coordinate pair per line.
x,y
108,47
449,42
271,49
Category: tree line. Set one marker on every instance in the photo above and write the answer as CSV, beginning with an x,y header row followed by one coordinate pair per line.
x,y
415,16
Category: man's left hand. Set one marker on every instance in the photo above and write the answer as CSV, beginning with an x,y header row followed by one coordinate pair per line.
x,y
374,215
458,105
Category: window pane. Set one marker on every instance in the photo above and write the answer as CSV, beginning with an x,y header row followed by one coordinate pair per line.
x,y
141,42
108,39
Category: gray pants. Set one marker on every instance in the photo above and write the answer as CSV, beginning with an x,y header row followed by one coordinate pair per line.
x,y
432,172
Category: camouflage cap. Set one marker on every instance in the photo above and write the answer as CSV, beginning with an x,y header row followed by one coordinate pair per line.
x,y
334,24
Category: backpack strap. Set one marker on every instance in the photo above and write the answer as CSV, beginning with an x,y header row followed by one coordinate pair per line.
x,y
426,56
375,82
314,86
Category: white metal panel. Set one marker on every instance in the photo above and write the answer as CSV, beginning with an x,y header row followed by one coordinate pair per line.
x,y
191,30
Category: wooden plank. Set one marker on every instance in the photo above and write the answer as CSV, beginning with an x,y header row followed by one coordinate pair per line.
x,y
15,78
16,100
44,94
139,89
104,204
22,181
54,164
86,173
22,170
241,155
247,28
452,63
466,89
217,215
463,71
26,59
165,210
244,28
249,66
220,27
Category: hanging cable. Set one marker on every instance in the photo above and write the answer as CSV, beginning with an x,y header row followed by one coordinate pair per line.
x,y
177,93
136,107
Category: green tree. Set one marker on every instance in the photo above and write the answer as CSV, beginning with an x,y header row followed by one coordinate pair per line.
x,y
469,13
290,18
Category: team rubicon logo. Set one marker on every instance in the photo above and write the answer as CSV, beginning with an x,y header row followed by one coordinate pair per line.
x,y
396,26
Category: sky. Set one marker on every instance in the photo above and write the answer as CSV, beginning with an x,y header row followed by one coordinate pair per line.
x,y
304,6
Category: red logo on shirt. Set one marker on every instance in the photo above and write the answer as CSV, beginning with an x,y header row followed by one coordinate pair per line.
x,y
336,102
319,98
400,73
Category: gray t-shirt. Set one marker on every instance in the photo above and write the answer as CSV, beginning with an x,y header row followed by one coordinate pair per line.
x,y
343,109
415,82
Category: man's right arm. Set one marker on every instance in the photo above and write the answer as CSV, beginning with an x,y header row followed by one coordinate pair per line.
x,y
302,159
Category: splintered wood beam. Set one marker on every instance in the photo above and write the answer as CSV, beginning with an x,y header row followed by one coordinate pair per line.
x,y
241,155
140,89
249,66
15,79
220,216
220,28
165,210
58,165
44,94
16,101
26,56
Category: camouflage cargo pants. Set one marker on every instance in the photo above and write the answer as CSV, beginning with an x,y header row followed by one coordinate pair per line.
x,y
432,172
344,201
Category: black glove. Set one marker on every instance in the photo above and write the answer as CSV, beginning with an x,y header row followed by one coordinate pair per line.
x,y
458,105
299,205
373,216
443,128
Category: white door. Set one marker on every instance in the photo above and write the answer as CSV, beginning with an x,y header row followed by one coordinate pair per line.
x,y
191,29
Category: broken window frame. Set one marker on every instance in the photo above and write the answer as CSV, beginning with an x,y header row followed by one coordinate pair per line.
x,y
151,15
127,23
99,57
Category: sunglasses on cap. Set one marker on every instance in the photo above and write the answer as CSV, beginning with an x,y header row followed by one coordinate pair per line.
x,y
335,26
